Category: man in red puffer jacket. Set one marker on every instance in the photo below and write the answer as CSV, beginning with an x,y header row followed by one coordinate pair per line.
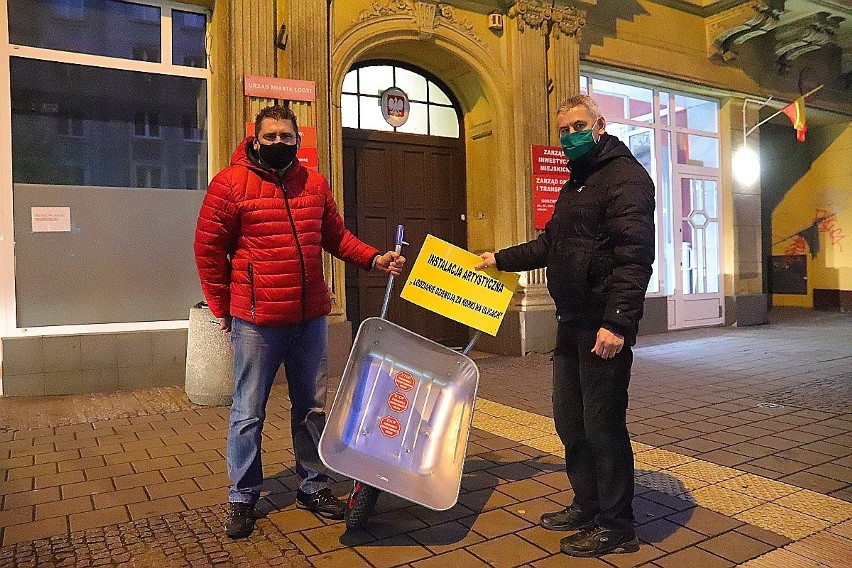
x,y
258,246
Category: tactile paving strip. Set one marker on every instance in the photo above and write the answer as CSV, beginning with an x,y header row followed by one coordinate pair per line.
x,y
747,497
781,520
706,471
760,487
722,500
817,505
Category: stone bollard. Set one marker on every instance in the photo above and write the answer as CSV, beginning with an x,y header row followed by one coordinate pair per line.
x,y
209,360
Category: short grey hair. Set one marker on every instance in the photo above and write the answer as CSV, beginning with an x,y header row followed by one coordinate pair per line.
x,y
575,101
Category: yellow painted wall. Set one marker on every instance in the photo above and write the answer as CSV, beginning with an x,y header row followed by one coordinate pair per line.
x,y
826,189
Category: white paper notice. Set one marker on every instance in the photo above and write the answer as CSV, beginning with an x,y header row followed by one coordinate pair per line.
x,y
51,219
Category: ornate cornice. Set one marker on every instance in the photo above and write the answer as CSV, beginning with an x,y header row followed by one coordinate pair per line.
x,y
568,21
740,24
533,14
808,34
427,15
388,8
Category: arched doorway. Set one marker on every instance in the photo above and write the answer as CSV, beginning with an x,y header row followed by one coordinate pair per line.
x,y
412,174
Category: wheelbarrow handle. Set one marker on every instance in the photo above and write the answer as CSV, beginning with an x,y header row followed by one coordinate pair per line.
x,y
400,229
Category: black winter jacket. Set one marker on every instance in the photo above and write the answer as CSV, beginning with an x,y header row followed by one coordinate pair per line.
x,y
599,246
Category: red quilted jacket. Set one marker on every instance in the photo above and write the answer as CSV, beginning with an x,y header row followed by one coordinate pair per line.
x,y
259,242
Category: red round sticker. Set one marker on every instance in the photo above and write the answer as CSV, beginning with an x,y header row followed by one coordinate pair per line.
x,y
404,381
389,426
397,402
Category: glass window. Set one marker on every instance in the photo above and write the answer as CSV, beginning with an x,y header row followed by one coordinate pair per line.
x,y
149,176
413,84
665,109
68,124
437,95
349,110
350,82
126,117
619,101
696,114
370,114
188,38
443,121
374,80
694,150
669,148
639,139
431,110
97,27
418,120
190,180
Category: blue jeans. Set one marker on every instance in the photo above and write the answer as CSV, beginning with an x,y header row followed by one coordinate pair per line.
x,y
258,353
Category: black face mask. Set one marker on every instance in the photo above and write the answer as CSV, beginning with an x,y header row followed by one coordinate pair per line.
x,y
278,156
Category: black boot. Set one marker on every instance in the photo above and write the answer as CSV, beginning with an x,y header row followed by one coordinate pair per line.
x,y
323,503
598,541
569,519
240,520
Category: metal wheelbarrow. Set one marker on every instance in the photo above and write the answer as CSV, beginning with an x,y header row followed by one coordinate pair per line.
x,y
401,417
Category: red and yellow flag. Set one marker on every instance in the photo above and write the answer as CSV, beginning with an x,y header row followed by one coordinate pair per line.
x,y
795,111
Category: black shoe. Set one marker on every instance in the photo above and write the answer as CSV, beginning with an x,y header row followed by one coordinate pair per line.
x,y
240,520
598,541
569,519
323,503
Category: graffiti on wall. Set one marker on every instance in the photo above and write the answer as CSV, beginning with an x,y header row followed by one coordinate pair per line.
x,y
807,239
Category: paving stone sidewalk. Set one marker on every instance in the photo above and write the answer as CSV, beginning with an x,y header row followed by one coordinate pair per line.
x,y
736,430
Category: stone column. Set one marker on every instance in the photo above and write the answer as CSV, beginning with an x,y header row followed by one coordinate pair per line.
x,y
306,58
565,50
243,44
529,81
749,303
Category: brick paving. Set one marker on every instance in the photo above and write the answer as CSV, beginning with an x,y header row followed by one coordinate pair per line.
x,y
138,478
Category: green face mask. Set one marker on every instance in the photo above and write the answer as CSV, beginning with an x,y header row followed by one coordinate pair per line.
x,y
577,144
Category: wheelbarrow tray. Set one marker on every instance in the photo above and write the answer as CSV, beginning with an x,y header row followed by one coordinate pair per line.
x,y
401,417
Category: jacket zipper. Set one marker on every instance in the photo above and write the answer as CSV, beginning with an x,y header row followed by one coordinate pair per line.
x,y
298,249
251,288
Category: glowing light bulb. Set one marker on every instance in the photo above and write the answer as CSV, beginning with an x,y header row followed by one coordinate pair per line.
x,y
746,166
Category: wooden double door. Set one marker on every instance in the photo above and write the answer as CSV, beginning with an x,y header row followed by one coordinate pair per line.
x,y
417,181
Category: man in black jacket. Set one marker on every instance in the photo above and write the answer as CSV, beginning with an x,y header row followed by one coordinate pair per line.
x,y
598,249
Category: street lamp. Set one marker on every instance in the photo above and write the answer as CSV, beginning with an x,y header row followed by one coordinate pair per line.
x,y
746,165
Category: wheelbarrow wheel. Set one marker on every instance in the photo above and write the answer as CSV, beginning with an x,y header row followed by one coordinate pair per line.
x,y
361,502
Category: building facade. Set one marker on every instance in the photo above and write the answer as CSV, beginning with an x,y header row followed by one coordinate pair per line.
x,y
114,116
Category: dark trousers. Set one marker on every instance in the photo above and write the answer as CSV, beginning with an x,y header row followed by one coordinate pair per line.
x,y
590,412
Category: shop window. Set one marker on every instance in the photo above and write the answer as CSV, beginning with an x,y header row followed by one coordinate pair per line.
x,y
675,138
191,179
68,124
149,176
188,39
618,101
100,27
69,9
71,174
431,110
696,114
147,124
145,14
696,150
112,126
146,53
191,131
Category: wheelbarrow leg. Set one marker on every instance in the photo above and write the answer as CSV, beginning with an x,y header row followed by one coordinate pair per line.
x,y
361,502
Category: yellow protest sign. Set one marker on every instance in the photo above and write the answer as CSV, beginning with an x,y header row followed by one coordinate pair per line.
x,y
444,281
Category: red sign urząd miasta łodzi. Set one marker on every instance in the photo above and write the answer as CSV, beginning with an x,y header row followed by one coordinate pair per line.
x,y
549,174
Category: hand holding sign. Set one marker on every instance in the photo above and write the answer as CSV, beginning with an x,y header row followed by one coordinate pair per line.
x,y
488,261
446,280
